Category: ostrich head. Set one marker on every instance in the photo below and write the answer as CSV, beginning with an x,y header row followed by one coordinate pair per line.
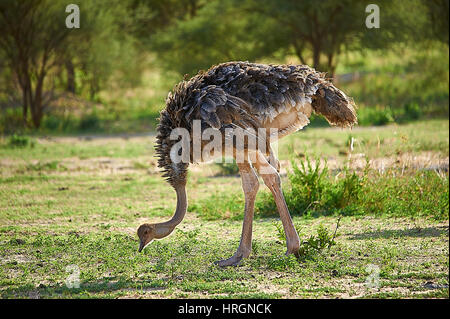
x,y
148,232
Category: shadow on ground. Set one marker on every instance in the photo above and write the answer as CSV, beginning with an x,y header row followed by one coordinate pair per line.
x,y
409,232
62,291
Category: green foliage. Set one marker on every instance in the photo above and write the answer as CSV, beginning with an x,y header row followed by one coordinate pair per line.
x,y
403,66
196,43
390,88
375,116
218,206
312,189
315,244
312,245
227,169
316,32
20,141
89,122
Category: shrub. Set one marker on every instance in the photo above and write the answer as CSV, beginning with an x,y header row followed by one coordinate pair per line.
x,y
409,112
20,141
226,169
312,245
11,120
375,116
89,122
314,191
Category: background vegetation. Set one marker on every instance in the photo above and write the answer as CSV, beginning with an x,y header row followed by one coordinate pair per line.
x,y
112,74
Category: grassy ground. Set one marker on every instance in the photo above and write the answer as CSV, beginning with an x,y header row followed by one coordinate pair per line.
x,y
73,204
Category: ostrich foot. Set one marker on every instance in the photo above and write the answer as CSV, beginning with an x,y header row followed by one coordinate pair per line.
x,y
293,249
232,261
293,252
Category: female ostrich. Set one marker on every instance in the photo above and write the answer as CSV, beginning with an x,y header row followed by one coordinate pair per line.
x,y
249,96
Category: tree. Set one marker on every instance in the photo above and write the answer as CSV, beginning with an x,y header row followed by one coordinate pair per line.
x,y
216,34
438,11
317,32
103,48
36,42
32,33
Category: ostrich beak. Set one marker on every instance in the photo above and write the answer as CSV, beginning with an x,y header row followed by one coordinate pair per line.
x,y
141,246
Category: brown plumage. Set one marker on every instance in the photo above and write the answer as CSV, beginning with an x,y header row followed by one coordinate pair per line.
x,y
247,95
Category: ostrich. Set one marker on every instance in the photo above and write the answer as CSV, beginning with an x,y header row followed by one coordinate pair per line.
x,y
245,95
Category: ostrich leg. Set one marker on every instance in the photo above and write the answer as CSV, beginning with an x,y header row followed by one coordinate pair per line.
x,y
250,185
273,161
272,180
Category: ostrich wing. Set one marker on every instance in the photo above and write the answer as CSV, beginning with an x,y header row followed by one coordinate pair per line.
x,y
273,89
217,108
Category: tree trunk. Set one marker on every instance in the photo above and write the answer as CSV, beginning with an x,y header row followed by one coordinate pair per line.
x,y
316,56
37,107
25,106
331,65
70,69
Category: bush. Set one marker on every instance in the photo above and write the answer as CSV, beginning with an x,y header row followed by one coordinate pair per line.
x,y
89,122
312,189
51,122
375,116
312,245
11,120
409,112
227,169
20,141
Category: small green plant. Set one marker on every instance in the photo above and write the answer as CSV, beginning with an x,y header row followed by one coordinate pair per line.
x,y
280,231
312,245
20,141
308,184
227,169
315,244
46,166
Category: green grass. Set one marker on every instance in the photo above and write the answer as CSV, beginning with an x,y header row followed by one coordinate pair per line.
x,y
69,201
373,142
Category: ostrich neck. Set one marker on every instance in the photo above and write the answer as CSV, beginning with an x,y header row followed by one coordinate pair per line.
x,y
165,228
